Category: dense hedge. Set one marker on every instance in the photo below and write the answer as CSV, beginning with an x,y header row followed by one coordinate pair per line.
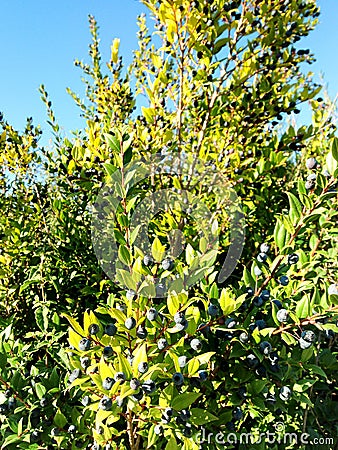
x,y
108,342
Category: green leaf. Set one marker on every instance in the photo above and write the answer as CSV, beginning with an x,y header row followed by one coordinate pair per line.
x,y
288,224
148,113
332,157
306,354
126,279
41,318
219,45
40,390
201,416
127,156
301,187
109,168
295,208
173,304
316,369
10,440
172,444
140,355
193,366
203,244
59,419
303,385
247,277
331,163
214,291
304,398
13,423
166,396
306,201
227,303
256,386
20,426
334,148
152,437
3,360
204,358
303,307
330,326
157,250
124,255
124,365
279,234
134,234
288,338
27,283
113,143
183,401
76,327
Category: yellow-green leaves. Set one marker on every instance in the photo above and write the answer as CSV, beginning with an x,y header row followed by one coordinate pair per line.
x,y
183,401
73,323
295,211
140,355
115,50
228,303
124,255
173,303
157,250
332,158
280,234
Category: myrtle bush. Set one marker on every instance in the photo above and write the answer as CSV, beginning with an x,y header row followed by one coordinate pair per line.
x,y
229,359
109,343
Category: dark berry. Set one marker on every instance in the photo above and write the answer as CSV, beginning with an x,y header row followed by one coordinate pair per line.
x,y
284,280
311,163
262,257
130,323
84,344
285,393
107,383
162,344
105,403
178,379
107,351
167,264
130,295
282,315
149,386
141,332
148,260
265,348
110,329
196,344
120,376
152,314
237,413
143,367
134,384
293,259
213,310
93,328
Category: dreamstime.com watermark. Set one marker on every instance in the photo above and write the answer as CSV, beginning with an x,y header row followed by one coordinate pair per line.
x,y
188,184
277,436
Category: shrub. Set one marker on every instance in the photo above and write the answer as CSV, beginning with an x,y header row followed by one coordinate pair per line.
x,y
166,346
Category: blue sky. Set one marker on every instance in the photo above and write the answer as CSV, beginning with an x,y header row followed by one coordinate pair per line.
x,y
41,39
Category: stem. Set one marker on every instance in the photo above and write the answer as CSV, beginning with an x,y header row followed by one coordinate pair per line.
x,y
306,321
15,395
311,390
132,432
